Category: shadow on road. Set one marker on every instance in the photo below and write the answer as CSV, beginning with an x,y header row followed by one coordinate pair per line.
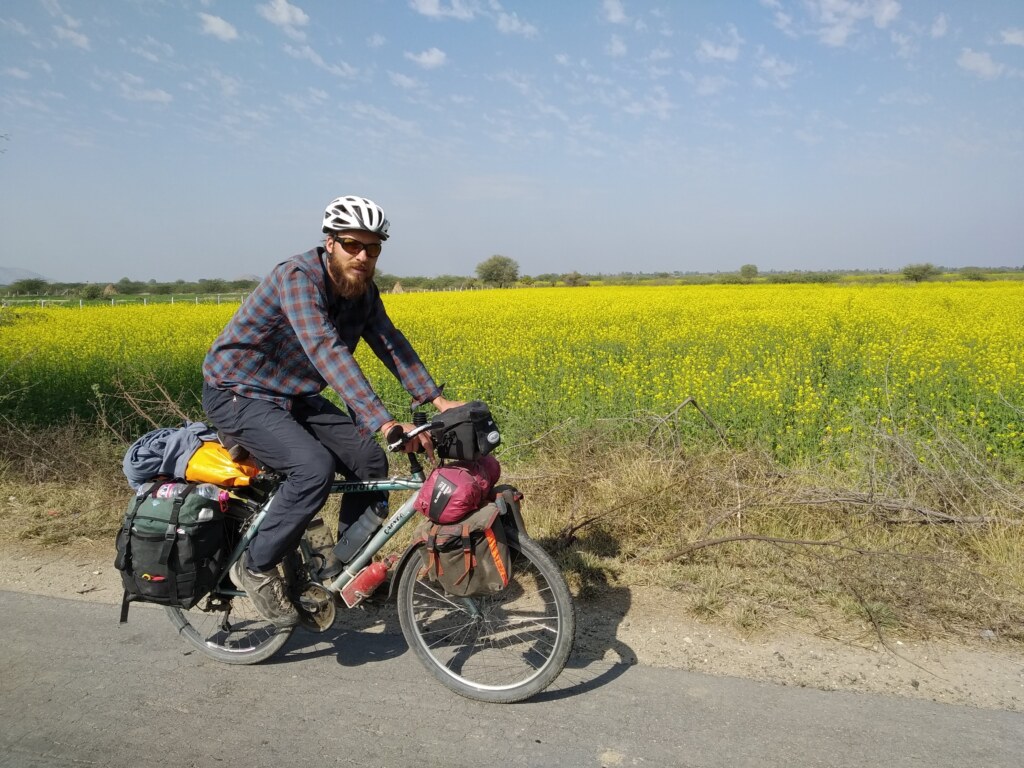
x,y
371,633
362,635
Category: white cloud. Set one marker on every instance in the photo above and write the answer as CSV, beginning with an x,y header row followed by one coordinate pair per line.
x,y
404,81
907,97
429,59
152,50
708,51
838,19
709,86
229,86
773,72
562,59
1012,36
940,26
437,9
376,41
656,103
510,24
19,74
72,36
376,116
14,26
68,30
305,52
133,88
616,47
217,27
614,12
288,17
980,64
906,46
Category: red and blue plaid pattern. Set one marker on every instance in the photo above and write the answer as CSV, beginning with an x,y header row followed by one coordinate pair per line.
x,y
293,336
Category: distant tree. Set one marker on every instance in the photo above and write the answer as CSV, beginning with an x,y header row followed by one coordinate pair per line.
x,y
127,287
214,285
972,273
748,271
574,279
498,270
918,273
91,291
32,286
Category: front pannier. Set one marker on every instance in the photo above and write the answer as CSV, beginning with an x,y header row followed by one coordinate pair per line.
x,y
467,558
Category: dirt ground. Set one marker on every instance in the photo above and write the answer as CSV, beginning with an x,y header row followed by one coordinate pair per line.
x,y
644,626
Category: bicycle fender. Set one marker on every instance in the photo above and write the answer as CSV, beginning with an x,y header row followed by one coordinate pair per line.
x,y
400,566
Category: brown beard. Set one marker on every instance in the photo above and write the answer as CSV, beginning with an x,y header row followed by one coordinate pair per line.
x,y
345,286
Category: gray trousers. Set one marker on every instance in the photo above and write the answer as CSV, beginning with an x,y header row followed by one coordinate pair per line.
x,y
308,444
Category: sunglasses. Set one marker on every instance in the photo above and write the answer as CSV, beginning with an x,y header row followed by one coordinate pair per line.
x,y
354,247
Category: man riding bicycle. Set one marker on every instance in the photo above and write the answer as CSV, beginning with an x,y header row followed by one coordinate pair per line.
x,y
263,377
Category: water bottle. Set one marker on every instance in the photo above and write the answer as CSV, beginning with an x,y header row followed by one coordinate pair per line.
x,y
352,538
165,490
366,581
213,493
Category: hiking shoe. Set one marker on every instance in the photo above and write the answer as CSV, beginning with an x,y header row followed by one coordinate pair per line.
x,y
267,592
321,541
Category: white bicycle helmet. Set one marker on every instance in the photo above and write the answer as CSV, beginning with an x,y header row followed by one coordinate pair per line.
x,y
353,212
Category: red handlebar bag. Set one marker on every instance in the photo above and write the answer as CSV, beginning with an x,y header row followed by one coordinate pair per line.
x,y
456,490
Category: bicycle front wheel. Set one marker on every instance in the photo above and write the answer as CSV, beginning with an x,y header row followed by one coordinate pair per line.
x,y
229,629
500,648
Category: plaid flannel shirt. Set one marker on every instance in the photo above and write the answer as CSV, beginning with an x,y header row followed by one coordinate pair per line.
x,y
293,336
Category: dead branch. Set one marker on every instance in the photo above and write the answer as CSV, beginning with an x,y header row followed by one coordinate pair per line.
x,y
919,514
688,401
567,535
837,543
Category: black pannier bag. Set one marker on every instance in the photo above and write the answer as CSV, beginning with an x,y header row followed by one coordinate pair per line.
x,y
465,433
171,547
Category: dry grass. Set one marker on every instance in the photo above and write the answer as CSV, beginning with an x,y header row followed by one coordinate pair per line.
x,y
922,548
926,549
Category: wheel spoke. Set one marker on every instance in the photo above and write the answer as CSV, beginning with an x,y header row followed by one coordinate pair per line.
x,y
501,647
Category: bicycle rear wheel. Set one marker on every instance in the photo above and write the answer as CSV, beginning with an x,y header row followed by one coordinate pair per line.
x,y
500,648
229,629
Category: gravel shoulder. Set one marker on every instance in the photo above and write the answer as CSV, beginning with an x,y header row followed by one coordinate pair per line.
x,y
644,626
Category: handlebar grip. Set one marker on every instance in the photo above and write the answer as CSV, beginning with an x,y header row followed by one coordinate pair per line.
x,y
395,435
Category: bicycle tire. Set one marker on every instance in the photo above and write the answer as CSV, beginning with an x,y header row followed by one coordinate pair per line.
x,y
235,635
516,645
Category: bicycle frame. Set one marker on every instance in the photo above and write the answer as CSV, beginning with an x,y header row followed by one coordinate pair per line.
x,y
390,527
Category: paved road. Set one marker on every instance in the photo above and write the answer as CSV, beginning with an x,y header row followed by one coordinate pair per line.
x,y
77,689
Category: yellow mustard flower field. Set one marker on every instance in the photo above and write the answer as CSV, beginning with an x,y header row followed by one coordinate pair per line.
x,y
800,370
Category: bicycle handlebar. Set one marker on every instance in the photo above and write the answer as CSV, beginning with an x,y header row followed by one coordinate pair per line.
x,y
396,437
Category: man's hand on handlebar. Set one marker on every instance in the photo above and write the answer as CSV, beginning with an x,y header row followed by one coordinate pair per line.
x,y
443,404
396,436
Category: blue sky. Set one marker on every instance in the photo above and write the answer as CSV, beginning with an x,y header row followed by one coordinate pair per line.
x,y
171,139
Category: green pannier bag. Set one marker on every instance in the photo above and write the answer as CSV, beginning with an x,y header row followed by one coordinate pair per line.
x,y
172,545
467,558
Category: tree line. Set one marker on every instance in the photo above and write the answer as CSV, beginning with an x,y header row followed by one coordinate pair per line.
x,y
499,272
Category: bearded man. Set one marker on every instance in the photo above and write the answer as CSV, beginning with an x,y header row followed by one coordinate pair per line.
x,y
293,337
